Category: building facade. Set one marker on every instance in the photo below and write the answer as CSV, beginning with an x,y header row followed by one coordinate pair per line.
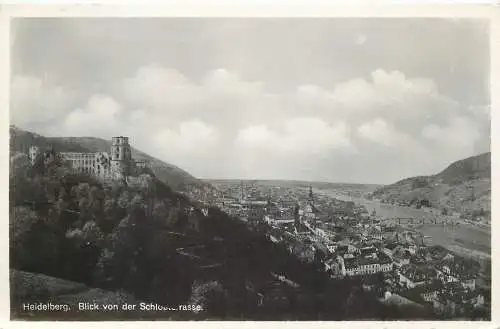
x,y
118,164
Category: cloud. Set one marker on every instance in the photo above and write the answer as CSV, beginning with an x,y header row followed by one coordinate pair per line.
x,y
101,110
297,136
360,39
159,89
295,149
99,118
408,101
35,102
191,136
379,131
221,125
460,134
193,145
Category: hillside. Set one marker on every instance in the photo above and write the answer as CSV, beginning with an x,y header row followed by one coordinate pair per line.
x,y
21,140
354,189
464,186
27,286
146,242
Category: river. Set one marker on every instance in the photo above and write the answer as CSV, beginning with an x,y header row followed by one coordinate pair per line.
x,y
466,239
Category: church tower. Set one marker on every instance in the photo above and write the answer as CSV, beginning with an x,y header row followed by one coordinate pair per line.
x,y
242,193
311,196
33,153
121,156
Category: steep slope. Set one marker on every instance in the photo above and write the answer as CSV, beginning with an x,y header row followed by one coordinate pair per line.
x,y
472,168
21,140
464,186
152,244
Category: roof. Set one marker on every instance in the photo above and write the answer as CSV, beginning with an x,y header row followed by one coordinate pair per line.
x,y
368,261
350,263
396,299
460,267
367,250
418,273
400,253
388,229
384,259
458,295
254,203
428,288
331,261
301,228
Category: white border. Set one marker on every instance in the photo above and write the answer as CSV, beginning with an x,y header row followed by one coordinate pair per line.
x,y
259,8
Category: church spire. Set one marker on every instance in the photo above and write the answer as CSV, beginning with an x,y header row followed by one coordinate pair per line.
x,y
242,196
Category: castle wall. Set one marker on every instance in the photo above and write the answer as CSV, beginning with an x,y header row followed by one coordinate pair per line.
x,y
96,164
116,165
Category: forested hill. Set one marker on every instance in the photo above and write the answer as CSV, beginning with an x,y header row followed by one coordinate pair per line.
x,y
21,140
154,245
463,186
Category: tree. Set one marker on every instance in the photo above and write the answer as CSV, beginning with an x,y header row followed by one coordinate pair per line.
x,y
21,221
319,257
80,190
33,244
160,211
19,165
211,296
123,200
173,216
136,203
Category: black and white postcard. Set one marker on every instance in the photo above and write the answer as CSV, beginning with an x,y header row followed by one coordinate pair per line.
x,y
247,166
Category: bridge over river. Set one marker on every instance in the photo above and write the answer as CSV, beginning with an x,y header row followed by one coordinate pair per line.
x,y
453,233
431,220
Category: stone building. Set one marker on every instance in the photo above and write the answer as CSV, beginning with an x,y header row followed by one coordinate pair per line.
x,y
118,164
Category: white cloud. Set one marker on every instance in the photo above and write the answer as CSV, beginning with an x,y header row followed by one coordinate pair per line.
x,y
190,136
35,102
224,125
188,141
460,133
221,80
297,136
192,145
391,95
98,118
360,39
379,131
157,88
256,136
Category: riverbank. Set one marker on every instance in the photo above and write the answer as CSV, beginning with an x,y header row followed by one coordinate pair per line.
x,y
467,239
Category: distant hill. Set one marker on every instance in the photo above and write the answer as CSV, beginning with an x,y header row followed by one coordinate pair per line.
x,y
21,140
464,186
472,168
365,188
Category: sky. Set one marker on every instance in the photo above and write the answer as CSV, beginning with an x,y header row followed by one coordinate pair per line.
x,y
362,100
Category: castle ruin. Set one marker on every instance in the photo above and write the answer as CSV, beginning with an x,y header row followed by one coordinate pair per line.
x,y
118,164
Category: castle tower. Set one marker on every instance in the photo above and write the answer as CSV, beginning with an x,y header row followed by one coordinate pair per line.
x,y
33,153
121,155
